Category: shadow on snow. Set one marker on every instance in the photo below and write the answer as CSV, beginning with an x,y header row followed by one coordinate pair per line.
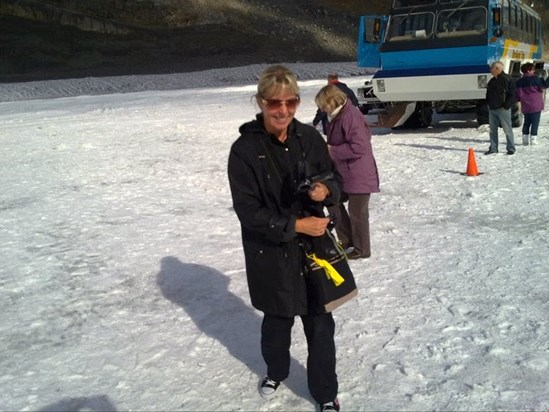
x,y
203,293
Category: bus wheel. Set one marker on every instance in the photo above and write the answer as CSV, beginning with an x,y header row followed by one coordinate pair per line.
x,y
422,116
516,119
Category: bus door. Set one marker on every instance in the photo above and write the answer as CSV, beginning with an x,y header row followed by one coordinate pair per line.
x,y
370,37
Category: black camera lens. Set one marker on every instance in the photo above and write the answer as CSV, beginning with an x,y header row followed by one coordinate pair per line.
x,y
304,186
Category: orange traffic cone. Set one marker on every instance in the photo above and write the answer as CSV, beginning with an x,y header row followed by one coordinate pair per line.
x,y
472,164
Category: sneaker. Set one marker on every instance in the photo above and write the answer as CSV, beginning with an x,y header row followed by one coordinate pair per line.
x,y
510,152
330,406
490,151
268,387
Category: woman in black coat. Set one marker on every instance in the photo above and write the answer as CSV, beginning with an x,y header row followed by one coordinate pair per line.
x,y
278,204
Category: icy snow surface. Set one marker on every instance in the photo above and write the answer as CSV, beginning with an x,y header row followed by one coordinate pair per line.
x,y
122,273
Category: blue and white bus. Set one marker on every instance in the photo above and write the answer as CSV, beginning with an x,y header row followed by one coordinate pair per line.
x,y
436,54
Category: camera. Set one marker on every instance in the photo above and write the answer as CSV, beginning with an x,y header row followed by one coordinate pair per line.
x,y
305,185
306,182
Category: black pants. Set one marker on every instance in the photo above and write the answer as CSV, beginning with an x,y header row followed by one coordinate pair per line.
x,y
321,362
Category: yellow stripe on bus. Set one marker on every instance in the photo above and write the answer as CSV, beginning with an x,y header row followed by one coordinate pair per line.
x,y
513,49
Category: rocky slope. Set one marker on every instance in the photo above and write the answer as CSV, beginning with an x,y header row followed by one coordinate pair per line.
x,y
44,39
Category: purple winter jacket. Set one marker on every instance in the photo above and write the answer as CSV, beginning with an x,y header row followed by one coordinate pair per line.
x,y
529,91
351,151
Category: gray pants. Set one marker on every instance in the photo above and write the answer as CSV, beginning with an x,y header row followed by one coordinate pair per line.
x,y
353,227
501,117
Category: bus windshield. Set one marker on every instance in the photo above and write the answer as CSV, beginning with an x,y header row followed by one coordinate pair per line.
x,y
461,22
411,26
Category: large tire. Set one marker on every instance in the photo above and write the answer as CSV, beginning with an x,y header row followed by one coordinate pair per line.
x,y
483,115
421,118
427,114
516,117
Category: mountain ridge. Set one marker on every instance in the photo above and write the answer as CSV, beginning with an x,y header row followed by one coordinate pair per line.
x,y
58,39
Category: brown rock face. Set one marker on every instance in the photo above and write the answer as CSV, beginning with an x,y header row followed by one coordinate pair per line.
x,y
45,39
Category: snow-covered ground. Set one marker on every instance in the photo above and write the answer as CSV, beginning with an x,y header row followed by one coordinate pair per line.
x,y
122,274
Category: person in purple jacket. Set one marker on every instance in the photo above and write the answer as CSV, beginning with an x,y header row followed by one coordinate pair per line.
x,y
530,90
323,116
350,148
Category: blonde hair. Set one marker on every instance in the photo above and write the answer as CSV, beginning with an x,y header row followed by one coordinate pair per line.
x,y
274,79
330,95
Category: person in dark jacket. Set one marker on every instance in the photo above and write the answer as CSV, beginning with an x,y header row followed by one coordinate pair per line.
x,y
500,97
323,116
350,147
530,90
265,169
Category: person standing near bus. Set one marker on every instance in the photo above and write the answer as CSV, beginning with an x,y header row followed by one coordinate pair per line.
x,y
350,147
275,217
529,92
500,97
323,116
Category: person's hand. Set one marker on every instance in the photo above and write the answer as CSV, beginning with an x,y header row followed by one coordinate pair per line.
x,y
312,226
319,192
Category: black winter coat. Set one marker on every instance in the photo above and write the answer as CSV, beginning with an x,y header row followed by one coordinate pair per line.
x,y
500,92
264,175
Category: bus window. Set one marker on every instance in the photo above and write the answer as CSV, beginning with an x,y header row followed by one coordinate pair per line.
x,y
522,26
528,27
372,30
461,22
410,26
507,8
505,15
512,22
533,33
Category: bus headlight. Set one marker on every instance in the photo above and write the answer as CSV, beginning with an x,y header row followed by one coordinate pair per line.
x,y
482,81
380,85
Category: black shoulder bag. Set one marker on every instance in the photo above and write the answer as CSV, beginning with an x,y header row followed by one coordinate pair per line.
x,y
330,281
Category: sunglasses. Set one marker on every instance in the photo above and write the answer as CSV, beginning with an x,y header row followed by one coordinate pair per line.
x,y
274,104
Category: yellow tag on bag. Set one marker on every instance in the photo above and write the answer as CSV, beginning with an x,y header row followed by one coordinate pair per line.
x,y
331,273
